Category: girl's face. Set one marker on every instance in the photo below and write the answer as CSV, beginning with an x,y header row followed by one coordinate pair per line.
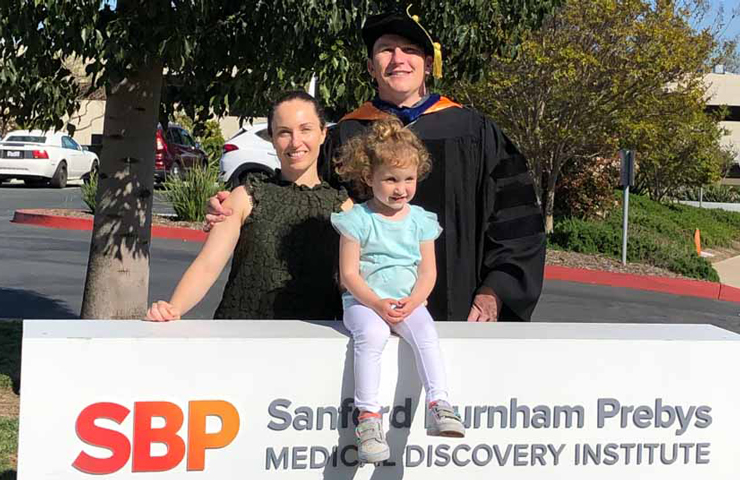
x,y
394,186
297,135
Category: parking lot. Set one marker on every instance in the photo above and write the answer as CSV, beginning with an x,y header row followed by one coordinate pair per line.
x,y
42,270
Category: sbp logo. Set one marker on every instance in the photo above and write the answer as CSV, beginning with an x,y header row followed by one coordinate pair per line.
x,y
144,435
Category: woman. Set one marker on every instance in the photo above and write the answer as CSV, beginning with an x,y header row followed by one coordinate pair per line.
x,y
285,250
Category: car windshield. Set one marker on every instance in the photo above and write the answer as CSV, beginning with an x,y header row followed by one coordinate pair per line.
x,y
25,139
263,134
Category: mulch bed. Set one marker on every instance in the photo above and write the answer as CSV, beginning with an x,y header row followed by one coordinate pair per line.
x,y
9,404
607,264
156,219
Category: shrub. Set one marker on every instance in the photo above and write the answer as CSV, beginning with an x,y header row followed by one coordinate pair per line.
x,y
90,191
712,193
188,195
660,235
585,188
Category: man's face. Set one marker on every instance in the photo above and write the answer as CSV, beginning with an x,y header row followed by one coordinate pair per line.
x,y
399,67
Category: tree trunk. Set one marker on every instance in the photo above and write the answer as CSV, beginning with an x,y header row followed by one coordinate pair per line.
x,y
549,207
549,179
117,282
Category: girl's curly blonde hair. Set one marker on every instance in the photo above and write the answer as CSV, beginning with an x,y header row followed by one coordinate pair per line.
x,y
386,142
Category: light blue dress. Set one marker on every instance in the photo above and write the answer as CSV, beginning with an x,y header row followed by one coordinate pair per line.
x,y
389,249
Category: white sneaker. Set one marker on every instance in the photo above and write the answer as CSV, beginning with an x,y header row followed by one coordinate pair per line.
x,y
371,444
444,421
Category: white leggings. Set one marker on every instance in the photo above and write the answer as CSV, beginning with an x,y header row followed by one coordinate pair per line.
x,y
370,334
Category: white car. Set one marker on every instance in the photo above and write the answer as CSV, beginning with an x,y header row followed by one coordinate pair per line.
x,y
249,150
38,158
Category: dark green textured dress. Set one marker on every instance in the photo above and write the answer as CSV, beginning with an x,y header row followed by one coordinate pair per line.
x,y
285,263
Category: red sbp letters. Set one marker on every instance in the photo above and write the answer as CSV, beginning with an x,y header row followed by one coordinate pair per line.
x,y
144,435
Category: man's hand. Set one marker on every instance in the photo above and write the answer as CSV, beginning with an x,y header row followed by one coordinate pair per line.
x,y
215,213
386,308
162,311
486,306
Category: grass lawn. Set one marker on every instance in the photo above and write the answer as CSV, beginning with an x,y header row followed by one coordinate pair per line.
x,y
10,370
8,447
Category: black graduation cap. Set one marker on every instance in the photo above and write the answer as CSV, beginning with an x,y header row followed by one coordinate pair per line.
x,y
404,25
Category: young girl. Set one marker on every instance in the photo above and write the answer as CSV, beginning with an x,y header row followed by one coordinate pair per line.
x,y
276,272
387,265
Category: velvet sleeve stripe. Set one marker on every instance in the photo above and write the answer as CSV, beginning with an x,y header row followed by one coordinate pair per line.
x,y
509,167
517,227
515,195
515,212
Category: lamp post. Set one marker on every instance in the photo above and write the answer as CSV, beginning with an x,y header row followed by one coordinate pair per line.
x,y
627,179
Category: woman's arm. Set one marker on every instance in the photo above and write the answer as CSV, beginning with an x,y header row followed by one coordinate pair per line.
x,y
427,277
349,273
209,263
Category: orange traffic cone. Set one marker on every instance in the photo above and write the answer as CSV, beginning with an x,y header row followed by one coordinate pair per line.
x,y
697,241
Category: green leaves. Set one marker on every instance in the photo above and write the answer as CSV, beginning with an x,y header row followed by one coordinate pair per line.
x,y
594,78
679,142
246,50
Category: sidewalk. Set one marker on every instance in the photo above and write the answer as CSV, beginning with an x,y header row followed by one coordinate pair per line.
x,y
729,271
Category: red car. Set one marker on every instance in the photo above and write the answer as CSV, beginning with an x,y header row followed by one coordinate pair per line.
x,y
176,151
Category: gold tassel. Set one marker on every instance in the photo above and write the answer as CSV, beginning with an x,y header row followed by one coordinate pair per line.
x,y
437,67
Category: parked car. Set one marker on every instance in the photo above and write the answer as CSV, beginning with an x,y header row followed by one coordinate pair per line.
x,y
40,158
176,151
249,150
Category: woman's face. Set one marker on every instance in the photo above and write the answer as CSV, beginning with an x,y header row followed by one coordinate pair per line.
x,y
297,135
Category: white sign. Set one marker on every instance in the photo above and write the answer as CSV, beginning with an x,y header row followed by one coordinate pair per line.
x,y
273,399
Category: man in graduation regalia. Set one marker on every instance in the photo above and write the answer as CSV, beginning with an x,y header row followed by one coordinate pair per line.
x,y
491,255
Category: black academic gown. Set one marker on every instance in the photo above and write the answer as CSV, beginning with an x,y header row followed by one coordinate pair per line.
x,y
480,188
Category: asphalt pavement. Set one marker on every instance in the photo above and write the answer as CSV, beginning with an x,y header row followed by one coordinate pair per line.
x,y
42,275
42,270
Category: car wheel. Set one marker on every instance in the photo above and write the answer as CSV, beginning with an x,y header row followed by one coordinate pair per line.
x,y
93,172
59,180
176,171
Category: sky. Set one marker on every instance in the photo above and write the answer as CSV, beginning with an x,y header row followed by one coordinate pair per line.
x,y
732,28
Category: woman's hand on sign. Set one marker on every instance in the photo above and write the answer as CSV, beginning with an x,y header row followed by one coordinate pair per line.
x,y
162,311
215,211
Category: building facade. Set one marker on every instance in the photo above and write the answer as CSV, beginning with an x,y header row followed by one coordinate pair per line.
x,y
724,91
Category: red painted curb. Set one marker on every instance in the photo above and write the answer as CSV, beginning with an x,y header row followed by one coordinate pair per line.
x,y
729,294
179,233
676,286
33,217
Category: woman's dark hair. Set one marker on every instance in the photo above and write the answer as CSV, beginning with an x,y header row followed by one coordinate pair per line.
x,y
295,95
